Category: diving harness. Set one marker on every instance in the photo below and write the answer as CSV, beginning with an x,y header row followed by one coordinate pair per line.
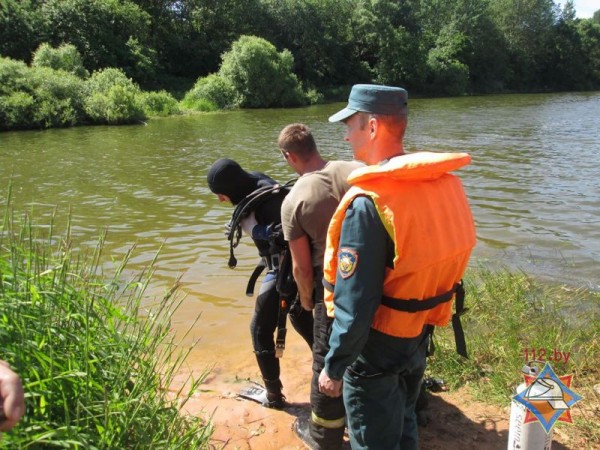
x,y
278,257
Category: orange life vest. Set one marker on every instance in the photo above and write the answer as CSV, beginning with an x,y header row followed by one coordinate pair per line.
x,y
426,213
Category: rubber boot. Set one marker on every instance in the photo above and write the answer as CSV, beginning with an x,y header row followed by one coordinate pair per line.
x,y
275,399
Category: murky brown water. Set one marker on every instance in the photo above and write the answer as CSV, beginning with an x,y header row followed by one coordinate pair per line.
x,y
534,186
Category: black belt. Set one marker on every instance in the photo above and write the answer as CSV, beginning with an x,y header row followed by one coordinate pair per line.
x,y
414,305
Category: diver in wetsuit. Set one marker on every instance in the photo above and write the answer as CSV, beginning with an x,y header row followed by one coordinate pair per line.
x,y
262,221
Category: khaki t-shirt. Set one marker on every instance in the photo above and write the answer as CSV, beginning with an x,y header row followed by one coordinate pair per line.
x,y
309,206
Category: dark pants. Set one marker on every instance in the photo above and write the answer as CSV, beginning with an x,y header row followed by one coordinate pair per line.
x,y
380,392
264,325
328,415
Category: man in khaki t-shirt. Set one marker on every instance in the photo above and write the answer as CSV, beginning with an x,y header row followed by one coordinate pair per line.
x,y
305,216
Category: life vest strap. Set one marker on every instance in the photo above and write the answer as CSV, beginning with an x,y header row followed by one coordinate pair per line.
x,y
415,305
459,334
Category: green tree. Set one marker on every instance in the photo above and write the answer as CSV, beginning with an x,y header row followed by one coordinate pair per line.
x,y
527,27
446,73
261,76
197,32
107,33
388,41
463,31
589,33
20,25
566,66
317,33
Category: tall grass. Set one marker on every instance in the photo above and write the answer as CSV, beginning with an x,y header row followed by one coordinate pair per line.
x,y
509,314
95,364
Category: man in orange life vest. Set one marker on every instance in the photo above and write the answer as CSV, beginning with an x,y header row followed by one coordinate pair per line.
x,y
397,247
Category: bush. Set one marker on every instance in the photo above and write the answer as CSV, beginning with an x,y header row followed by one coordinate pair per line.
x,y
66,57
113,98
38,97
314,97
16,109
59,98
261,76
209,94
13,75
159,104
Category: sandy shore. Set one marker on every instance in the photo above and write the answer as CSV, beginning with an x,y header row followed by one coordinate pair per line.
x,y
457,421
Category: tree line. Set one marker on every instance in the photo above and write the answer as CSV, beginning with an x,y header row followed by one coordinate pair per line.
x,y
431,47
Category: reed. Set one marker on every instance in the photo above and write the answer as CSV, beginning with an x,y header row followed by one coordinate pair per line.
x,y
94,360
512,315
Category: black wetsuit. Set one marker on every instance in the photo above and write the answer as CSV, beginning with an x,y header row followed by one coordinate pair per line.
x,y
266,310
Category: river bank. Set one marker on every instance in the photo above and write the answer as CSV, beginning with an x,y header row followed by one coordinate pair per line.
x,y
457,420
510,315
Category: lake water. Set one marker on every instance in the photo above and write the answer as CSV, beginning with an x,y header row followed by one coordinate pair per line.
x,y
534,185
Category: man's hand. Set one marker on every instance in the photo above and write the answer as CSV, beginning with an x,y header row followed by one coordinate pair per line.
x,y
329,387
12,398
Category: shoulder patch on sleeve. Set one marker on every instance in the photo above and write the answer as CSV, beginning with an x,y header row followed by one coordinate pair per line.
x,y
347,261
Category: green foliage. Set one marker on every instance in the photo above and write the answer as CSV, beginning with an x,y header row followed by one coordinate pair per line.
x,y
66,57
446,74
113,98
589,35
142,62
314,97
527,28
159,104
108,33
317,32
20,27
16,110
261,76
59,97
210,94
94,361
13,75
38,97
272,51
388,42
201,31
